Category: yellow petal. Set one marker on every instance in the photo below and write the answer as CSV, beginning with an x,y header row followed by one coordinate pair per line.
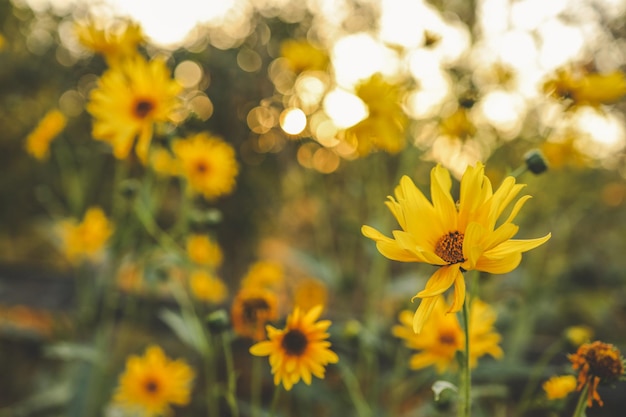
x,y
423,312
440,281
459,294
499,265
442,200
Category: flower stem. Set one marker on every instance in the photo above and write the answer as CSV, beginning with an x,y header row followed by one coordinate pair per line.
x,y
274,401
466,375
255,388
231,395
582,403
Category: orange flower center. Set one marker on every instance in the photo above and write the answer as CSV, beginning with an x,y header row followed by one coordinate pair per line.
x,y
143,108
447,338
294,342
252,308
202,167
151,386
450,247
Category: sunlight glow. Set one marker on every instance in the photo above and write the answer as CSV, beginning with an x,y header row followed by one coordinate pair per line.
x,y
345,109
292,121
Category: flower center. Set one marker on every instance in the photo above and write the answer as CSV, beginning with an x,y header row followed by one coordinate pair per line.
x,y
447,339
450,247
253,307
143,108
294,342
604,362
151,386
202,167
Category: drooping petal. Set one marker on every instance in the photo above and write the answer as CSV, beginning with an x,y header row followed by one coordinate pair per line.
x,y
440,281
423,312
459,294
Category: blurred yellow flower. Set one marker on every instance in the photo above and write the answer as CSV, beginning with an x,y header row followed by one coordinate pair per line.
x,y
86,240
3,42
596,362
298,351
310,292
301,56
115,42
151,384
252,309
206,287
560,150
384,127
208,163
458,125
558,387
163,162
129,99
456,237
264,274
584,88
38,141
442,336
203,251
577,335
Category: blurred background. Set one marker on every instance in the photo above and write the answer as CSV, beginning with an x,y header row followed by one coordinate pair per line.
x,y
326,104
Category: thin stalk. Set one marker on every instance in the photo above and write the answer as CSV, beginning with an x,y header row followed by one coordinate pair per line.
x,y
582,403
466,375
255,386
354,391
231,394
275,401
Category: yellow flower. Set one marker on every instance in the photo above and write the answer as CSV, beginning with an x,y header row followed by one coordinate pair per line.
x,y
264,274
86,240
115,42
207,287
202,250
577,335
559,387
561,150
298,351
3,42
582,88
455,237
252,309
310,292
596,362
129,100
38,141
458,125
163,162
208,163
442,336
153,383
301,56
385,124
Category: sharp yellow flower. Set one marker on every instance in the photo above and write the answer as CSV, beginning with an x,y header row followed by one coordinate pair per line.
x,y
442,336
384,127
203,251
208,163
252,309
153,383
298,351
455,237
114,42
38,141
559,387
597,362
206,287
129,100
86,240
301,55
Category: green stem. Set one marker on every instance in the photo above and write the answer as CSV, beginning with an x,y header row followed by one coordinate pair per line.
x,y
231,394
466,376
354,391
277,390
255,386
582,403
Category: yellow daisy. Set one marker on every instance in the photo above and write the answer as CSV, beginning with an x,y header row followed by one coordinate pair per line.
x,y
86,240
442,336
204,251
208,163
298,351
252,309
383,128
114,42
583,88
38,141
559,387
206,287
129,100
153,383
455,237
